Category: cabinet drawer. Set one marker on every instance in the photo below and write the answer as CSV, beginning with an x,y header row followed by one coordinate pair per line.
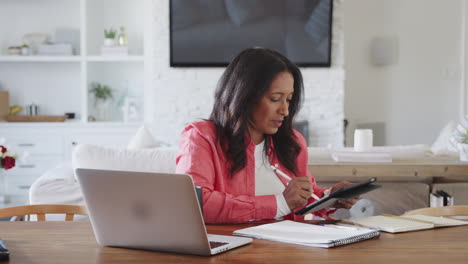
x,y
34,166
19,184
36,145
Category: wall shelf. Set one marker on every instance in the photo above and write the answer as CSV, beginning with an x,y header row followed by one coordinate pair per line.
x,y
13,58
129,58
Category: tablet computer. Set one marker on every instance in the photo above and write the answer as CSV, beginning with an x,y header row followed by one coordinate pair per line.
x,y
346,192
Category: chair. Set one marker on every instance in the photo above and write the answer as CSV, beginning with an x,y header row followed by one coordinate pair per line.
x,y
447,211
42,209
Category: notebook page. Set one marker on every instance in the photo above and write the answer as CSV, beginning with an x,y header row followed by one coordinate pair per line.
x,y
391,224
438,220
302,233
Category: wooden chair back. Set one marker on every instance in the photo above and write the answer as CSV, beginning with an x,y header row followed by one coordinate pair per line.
x,y
447,211
42,209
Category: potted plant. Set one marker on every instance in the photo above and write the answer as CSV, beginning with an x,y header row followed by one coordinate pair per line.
x,y
102,100
109,37
25,50
463,146
460,139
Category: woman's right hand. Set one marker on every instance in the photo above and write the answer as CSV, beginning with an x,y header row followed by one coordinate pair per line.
x,y
298,192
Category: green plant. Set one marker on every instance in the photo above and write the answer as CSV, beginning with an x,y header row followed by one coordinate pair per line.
x,y
100,91
110,33
25,46
464,138
461,133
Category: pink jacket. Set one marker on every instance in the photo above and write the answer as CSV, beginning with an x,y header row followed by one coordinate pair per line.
x,y
225,199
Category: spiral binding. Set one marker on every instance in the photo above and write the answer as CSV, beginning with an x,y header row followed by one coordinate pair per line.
x,y
354,239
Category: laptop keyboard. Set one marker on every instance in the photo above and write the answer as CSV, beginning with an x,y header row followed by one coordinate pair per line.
x,y
214,244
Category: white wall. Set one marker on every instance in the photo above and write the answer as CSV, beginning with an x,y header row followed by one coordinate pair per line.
x,y
417,95
183,95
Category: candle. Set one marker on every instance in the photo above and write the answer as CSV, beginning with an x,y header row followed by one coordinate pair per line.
x,y
363,139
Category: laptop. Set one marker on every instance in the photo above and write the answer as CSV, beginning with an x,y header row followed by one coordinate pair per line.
x,y
149,211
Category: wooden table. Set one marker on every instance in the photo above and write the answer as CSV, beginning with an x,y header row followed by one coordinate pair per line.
x,y
438,170
73,242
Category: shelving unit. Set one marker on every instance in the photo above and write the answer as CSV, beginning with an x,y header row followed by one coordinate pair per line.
x,y
89,18
60,84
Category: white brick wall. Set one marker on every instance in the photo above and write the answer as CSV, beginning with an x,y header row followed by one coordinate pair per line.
x,y
183,95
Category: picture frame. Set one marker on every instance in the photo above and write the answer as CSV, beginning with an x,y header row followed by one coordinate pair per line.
x,y
131,109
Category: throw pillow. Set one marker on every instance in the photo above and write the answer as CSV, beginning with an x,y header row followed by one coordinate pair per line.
x,y
441,145
142,139
245,11
144,160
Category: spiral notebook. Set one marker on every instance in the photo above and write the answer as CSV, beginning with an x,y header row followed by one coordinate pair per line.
x,y
324,236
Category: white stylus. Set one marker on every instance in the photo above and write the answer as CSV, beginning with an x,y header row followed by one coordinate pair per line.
x,y
275,169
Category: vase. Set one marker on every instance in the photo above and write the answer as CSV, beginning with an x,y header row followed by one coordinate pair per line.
x,y
3,186
463,150
102,109
108,42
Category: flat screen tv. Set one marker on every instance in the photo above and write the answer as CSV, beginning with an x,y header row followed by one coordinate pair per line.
x,y
206,33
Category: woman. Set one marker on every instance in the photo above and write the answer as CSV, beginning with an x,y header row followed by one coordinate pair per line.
x,y
250,130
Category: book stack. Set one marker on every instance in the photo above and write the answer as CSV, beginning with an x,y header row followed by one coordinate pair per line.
x,y
440,198
4,104
114,50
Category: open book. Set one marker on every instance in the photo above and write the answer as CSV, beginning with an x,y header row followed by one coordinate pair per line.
x,y
325,236
397,224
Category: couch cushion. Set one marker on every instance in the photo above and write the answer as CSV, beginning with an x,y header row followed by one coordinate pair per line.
x,y
142,139
57,186
143,160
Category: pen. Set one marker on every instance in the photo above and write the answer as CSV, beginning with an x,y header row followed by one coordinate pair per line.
x,y
275,169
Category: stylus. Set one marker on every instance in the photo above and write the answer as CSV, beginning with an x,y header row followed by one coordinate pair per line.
x,y
284,175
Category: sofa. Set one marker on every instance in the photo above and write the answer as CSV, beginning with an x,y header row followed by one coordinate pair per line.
x,y
59,185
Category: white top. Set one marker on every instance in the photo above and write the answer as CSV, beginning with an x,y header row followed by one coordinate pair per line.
x,y
267,182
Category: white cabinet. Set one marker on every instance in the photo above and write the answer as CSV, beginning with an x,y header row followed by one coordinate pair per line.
x,y
49,145
60,84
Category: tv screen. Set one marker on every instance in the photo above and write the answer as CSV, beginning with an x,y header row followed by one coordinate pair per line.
x,y
212,32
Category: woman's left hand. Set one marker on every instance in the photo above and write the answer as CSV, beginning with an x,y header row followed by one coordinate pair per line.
x,y
345,203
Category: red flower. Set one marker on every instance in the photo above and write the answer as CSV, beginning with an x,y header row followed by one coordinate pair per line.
x,y
3,149
8,162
